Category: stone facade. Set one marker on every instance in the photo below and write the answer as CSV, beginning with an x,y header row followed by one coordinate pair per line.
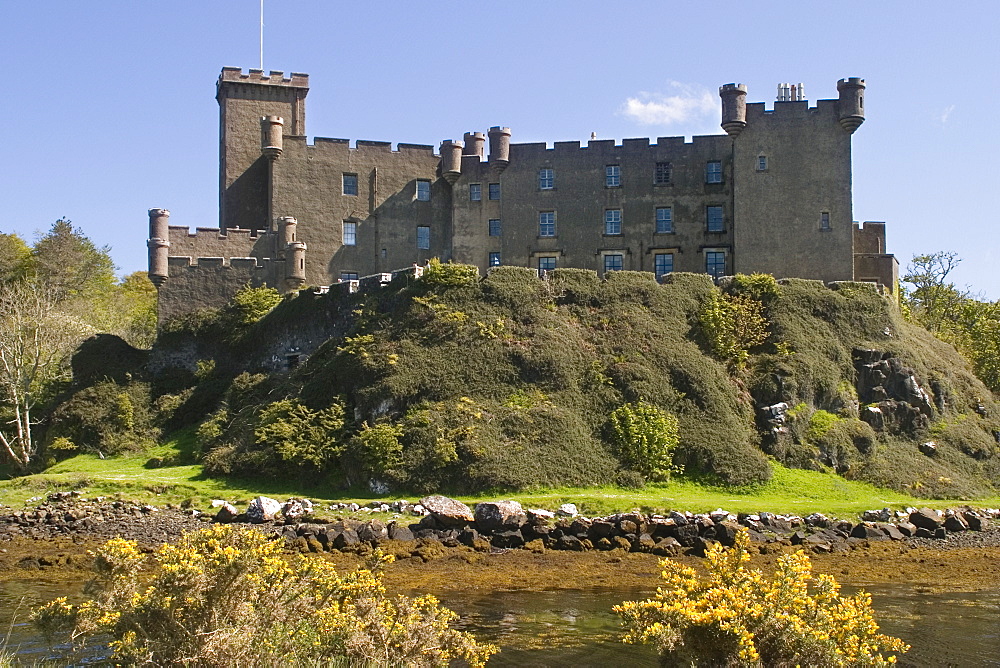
x,y
772,195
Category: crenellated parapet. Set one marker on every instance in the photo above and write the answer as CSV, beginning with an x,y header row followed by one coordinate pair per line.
x,y
272,78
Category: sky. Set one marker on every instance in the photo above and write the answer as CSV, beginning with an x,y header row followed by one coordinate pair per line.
x,y
111,108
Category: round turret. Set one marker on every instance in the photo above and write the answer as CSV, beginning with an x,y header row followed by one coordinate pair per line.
x,y
158,245
287,225
499,147
851,105
451,160
474,144
295,265
271,129
734,108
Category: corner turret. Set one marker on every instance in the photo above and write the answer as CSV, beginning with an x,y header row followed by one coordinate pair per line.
x,y
851,105
734,108
271,137
159,246
499,147
474,144
451,160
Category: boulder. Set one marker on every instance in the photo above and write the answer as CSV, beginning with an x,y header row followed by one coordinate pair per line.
x,y
955,523
227,513
493,516
600,529
372,532
580,527
926,518
667,547
397,532
345,538
263,509
539,516
891,530
929,448
447,512
567,510
508,539
975,522
868,531
296,508
907,529
571,543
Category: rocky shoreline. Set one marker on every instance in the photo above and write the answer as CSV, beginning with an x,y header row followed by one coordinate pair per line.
x,y
422,530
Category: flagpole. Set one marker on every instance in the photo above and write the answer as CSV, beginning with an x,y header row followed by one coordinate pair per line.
x,y
262,35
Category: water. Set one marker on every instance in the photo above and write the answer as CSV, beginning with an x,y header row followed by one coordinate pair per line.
x,y
577,627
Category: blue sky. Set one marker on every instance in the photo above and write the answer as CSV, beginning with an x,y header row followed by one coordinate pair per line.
x,y
110,106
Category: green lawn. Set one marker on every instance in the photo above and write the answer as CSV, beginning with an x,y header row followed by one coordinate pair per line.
x,y
789,491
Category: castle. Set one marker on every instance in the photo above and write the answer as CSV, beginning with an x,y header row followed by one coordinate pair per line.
x,y
771,195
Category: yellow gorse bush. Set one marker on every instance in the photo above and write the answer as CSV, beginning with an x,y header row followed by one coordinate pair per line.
x,y
736,616
226,596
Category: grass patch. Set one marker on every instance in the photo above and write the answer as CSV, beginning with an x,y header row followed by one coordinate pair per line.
x,y
788,491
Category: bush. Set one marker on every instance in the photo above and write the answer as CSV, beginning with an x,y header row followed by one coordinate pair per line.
x,y
645,438
736,617
733,325
105,417
250,305
300,435
440,275
226,596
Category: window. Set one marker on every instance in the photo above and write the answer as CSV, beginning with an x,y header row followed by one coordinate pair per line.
x,y
424,191
423,237
494,259
612,176
547,224
715,263
663,263
664,220
475,192
350,233
761,163
547,263
613,221
824,220
348,276
546,179
350,184
613,263
495,229
713,219
663,173
494,191
713,172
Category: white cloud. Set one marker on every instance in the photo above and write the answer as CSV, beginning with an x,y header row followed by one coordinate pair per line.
x,y
688,103
946,113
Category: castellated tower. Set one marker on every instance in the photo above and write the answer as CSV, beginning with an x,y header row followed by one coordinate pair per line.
x,y
245,99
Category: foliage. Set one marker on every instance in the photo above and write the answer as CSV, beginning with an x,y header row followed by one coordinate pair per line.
x,y
301,435
735,616
250,305
36,341
761,287
106,417
378,448
933,301
733,324
820,423
440,275
70,264
14,258
226,596
645,438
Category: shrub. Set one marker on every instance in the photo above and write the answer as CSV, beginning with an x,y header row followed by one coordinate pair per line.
x,y
250,305
377,448
733,325
226,596
105,417
645,438
300,435
820,422
735,616
438,274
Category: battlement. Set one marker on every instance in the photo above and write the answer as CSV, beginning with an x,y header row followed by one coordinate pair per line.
x,y
272,78
538,150
333,145
182,261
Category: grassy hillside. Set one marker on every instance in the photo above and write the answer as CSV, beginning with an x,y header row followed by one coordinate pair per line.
x,y
456,383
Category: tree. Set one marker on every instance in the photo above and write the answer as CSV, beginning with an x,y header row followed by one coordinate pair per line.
x,y
36,341
71,264
933,300
14,257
